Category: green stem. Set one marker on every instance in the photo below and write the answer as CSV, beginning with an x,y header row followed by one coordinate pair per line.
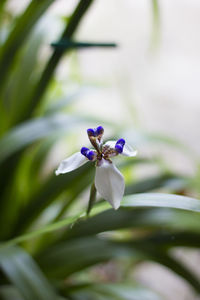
x,y
156,24
92,199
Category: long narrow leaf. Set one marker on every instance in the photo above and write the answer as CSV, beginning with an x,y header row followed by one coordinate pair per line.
x,y
54,187
170,181
34,130
48,72
110,291
162,218
20,32
25,274
69,257
162,200
69,44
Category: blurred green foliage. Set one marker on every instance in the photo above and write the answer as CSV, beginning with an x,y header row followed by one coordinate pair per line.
x,y
50,256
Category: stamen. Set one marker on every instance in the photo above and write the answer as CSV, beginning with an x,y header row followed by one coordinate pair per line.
x,y
95,132
120,145
121,142
91,155
119,148
91,132
99,130
84,151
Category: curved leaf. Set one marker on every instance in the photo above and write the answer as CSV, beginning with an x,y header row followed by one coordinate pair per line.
x,y
162,200
23,272
20,32
129,216
164,216
31,131
169,181
112,291
43,82
68,257
50,190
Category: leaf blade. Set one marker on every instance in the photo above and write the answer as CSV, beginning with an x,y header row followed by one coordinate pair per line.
x,y
25,274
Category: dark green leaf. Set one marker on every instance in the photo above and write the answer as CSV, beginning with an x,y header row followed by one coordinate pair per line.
x,y
69,257
20,32
114,292
48,72
161,200
161,181
48,193
25,274
70,44
31,131
160,218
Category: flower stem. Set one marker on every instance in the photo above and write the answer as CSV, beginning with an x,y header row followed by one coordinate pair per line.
x,y
92,199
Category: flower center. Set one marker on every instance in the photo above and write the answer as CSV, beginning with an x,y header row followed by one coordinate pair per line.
x,y
101,152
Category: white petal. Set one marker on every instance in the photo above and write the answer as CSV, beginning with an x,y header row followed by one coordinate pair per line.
x,y
109,183
71,163
111,144
128,150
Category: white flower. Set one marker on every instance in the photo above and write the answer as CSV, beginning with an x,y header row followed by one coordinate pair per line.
x,y
109,182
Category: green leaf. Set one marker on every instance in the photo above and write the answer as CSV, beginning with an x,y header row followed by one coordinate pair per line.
x,y
68,257
70,44
113,291
174,265
161,200
25,69
55,58
167,239
169,181
49,191
147,217
23,272
10,293
19,33
126,217
34,130
156,23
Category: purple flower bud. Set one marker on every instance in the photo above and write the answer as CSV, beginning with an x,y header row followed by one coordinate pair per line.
x,y
91,132
120,145
90,154
121,142
84,151
99,130
119,148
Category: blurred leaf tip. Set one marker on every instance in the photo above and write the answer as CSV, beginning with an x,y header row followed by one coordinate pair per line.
x,y
65,44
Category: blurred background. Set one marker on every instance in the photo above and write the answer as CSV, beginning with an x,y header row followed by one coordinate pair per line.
x,y
145,89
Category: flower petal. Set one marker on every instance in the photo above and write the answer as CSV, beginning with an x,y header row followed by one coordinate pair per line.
x,y
111,144
109,183
71,163
127,149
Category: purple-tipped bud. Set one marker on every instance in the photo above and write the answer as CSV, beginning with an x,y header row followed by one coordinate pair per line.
x,y
120,145
99,130
91,132
90,155
121,142
84,151
119,148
